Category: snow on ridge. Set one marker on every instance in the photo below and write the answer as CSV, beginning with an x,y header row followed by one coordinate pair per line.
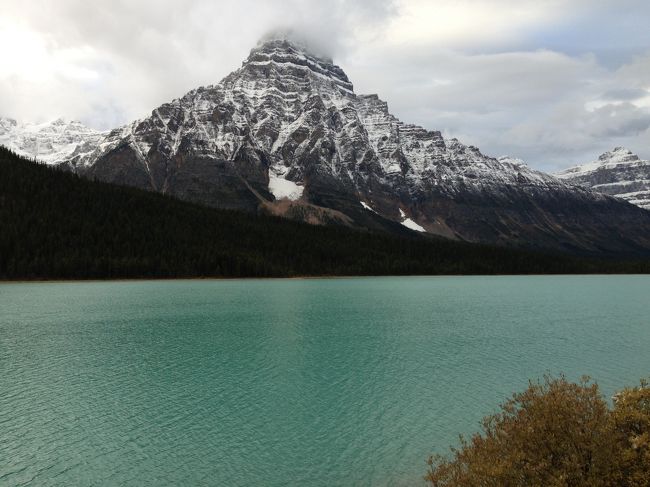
x,y
514,161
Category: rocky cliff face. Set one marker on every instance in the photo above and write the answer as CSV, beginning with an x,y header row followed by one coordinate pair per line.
x,y
287,135
618,173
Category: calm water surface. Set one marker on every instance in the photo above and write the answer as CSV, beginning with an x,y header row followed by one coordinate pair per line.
x,y
288,382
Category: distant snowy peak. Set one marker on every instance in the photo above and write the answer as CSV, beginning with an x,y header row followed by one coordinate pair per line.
x,y
51,142
620,156
7,124
619,173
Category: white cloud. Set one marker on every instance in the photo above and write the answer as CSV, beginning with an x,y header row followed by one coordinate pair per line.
x,y
115,60
463,23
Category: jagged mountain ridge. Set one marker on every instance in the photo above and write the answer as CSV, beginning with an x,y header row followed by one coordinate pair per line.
x,y
298,109
289,123
619,173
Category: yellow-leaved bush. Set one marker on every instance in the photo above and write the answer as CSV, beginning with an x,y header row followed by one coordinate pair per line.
x,y
555,434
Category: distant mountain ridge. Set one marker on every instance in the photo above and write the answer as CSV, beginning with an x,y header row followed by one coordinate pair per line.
x,y
52,142
286,135
619,173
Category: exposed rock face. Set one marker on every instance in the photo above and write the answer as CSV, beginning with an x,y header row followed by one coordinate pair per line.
x,y
288,126
52,142
618,173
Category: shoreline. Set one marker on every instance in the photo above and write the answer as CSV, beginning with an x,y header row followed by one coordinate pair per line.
x,y
299,278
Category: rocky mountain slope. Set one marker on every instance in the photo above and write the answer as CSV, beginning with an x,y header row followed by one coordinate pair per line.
x,y
619,173
53,142
55,225
286,134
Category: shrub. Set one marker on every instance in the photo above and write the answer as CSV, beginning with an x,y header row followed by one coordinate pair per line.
x,y
631,421
555,433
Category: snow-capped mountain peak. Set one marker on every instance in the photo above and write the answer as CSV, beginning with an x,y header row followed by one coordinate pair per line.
x,y
620,155
619,173
286,134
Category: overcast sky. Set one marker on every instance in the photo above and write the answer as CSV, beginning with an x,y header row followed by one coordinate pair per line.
x,y
555,82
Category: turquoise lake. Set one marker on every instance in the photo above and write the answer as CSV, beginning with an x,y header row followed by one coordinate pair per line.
x,y
332,382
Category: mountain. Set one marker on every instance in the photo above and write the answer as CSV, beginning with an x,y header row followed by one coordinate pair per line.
x,y
619,173
58,225
53,142
286,135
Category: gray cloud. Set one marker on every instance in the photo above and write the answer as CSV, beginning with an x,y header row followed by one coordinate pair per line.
x,y
547,107
620,120
571,133
623,94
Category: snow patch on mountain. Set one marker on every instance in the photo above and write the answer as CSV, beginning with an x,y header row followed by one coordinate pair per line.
x,y
282,188
408,223
367,206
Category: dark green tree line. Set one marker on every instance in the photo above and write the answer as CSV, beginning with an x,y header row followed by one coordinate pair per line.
x,y
54,224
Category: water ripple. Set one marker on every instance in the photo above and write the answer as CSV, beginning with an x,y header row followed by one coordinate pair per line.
x,y
314,383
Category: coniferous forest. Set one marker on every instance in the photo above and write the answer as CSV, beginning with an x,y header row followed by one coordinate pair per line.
x,y
56,225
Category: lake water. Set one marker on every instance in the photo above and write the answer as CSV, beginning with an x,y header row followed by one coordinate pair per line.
x,y
288,382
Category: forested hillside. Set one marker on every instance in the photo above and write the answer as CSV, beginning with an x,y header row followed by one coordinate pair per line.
x,y
54,224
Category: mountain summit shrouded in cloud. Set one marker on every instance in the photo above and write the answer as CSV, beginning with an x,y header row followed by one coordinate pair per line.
x,y
551,82
307,41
